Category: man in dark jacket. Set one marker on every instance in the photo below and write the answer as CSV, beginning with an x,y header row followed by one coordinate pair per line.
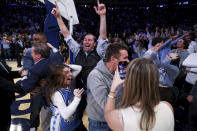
x,y
40,53
28,63
19,51
7,89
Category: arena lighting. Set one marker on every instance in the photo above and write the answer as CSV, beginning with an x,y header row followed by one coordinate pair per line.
x,y
161,6
186,3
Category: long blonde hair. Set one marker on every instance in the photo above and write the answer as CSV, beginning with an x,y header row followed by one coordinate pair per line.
x,y
141,85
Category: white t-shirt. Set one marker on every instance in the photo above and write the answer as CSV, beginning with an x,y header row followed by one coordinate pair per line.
x,y
192,47
164,118
191,62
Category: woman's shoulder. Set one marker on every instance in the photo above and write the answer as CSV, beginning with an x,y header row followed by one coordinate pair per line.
x,y
56,94
165,105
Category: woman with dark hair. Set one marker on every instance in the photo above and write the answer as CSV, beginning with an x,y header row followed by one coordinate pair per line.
x,y
141,108
63,101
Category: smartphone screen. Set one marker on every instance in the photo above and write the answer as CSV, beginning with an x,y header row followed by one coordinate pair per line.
x,y
122,65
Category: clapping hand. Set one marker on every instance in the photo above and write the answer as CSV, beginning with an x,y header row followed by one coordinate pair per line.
x,y
78,92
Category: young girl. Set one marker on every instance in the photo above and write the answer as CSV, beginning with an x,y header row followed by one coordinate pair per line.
x,y
63,101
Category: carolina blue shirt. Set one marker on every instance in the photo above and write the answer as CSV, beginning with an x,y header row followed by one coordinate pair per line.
x,y
167,72
166,47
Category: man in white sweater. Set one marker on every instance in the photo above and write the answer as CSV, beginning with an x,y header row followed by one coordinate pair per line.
x,y
191,67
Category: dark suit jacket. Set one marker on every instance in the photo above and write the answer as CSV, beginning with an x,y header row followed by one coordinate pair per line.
x,y
7,89
28,62
37,72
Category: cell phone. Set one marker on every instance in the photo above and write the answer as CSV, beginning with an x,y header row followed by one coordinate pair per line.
x,y
122,65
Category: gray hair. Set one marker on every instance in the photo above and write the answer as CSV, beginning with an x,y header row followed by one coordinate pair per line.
x,y
42,49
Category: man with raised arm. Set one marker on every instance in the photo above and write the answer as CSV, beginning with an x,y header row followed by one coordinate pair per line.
x,y
86,56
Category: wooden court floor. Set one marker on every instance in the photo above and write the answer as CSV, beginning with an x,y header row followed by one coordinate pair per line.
x,y
24,106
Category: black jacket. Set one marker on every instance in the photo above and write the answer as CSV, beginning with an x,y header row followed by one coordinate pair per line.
x,y
88,63
7,89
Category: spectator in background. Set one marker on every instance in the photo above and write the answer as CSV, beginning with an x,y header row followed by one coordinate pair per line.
x,y
192,45
12,48
181,51
182,55
27,58
19,52
136,45
167,72
191,67
6,47
138,49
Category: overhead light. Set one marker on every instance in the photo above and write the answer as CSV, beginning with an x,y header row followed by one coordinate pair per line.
x,y
186,3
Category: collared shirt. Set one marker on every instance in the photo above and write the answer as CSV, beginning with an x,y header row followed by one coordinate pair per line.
x,y
75,47
38,61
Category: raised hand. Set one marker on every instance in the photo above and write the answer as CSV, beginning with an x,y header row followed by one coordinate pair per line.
x,y
24,72
116,81
55,11
52,47
157,47
101,9
78,92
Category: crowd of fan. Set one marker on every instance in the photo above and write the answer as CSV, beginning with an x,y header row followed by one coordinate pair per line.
x,y
138,28
29,19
